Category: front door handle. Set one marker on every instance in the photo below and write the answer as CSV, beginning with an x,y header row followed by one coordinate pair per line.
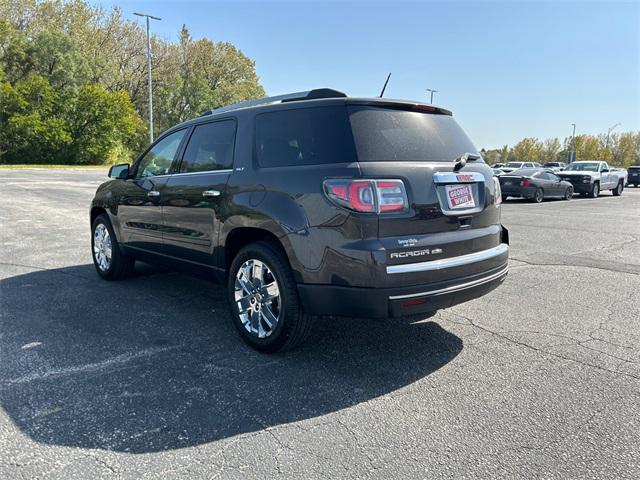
x,y
211,193
153,193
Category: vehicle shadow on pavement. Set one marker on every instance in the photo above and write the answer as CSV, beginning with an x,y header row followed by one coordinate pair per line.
x,y
153,363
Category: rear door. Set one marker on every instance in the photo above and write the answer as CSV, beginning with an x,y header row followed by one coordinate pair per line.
x,y
139,210
194,198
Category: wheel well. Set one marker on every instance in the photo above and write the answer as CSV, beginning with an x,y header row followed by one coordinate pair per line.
x,y
240,237
95,211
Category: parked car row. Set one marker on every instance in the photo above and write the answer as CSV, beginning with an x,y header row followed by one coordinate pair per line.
x,y
588,178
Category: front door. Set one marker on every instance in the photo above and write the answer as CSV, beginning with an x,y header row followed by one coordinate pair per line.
x,y
139,209
194,199
556,184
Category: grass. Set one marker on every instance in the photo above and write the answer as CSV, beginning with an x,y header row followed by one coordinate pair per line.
x,y
28,165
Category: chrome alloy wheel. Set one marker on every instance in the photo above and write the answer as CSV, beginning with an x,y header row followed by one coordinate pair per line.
x,y
257,296
102,248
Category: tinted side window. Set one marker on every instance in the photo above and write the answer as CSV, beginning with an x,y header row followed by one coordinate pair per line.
x,y
157,161
305,136
210,147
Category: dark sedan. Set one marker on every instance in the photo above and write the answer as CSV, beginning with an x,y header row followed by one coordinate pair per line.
x,y
534,184
634,176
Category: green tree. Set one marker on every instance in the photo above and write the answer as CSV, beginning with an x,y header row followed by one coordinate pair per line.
x,y
101,124
527,150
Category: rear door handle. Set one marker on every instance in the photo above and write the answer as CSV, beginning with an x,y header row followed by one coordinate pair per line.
x,y
153,193
211,193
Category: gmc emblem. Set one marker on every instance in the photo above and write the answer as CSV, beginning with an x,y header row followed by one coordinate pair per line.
x,y
465,178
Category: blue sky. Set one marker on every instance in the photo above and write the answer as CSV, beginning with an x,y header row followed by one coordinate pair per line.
x,y
506,69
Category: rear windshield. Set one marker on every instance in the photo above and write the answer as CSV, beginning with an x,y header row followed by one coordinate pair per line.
x,y
634,169
525,172
552,164
514,164
384,134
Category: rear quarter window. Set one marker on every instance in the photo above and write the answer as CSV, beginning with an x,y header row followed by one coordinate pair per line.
x,y
304,136
384,134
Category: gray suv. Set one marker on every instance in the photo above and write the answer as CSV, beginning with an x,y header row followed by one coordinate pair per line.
x,y
310,204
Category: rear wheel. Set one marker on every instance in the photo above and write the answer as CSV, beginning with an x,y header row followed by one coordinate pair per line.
x,y
504,197
568,193
110,262
264,299
538,197
619,188
595,190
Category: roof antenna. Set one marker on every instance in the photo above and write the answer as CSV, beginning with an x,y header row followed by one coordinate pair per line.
x,y
385,85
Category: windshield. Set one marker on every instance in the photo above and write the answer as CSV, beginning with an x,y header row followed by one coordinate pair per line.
x,y
514,164
552,164
383,134
587,167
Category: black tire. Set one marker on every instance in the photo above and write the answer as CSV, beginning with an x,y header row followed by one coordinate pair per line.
x,y
618,190
120,265
595,190
538,197
293,325
568,193
504,198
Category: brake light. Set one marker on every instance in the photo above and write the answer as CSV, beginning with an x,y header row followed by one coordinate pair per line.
x,y
372,196
497,191
525,183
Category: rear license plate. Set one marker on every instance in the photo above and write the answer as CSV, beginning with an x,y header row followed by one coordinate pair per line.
x,y
459,196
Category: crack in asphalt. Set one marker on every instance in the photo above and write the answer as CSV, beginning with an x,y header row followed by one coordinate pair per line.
x,y
570,265
502,335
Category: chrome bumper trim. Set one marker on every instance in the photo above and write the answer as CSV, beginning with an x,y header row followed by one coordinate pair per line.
x,y
449,262
455,288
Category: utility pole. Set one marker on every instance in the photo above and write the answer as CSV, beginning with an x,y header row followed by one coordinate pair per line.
x,y
432,92
149,72
572,152
606,145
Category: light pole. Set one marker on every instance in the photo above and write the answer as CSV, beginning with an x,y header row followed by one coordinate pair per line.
x,y
432,92
606,145
149,72
572,152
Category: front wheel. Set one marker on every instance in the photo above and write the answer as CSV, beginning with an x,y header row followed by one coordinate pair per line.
x,y
568,193
618,190
595,191
110,262
264,299
538,197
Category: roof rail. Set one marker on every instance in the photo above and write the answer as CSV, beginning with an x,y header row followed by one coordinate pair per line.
x,y
288,97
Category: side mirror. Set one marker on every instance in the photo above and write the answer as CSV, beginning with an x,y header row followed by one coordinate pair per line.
x,y
119,171
604,170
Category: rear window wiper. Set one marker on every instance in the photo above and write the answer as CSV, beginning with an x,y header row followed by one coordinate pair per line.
x,y
463,159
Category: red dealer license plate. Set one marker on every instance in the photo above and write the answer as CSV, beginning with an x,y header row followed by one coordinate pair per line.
x,y
460,196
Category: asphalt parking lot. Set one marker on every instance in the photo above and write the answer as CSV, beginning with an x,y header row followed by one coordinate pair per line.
x,y
146,378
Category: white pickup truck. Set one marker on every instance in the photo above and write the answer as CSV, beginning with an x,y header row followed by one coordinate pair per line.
x,y
592,177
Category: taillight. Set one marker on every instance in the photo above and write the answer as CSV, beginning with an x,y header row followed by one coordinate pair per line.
x,y
498,191
379,196
525,183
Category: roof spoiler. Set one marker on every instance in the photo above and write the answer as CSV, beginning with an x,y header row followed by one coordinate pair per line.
x,y
288,97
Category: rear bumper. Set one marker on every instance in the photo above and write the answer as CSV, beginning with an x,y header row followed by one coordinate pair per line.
x,y
398,301
519,192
